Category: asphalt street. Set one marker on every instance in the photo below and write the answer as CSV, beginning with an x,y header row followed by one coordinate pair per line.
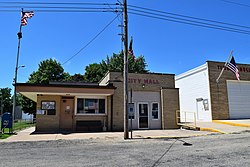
x,y
212,150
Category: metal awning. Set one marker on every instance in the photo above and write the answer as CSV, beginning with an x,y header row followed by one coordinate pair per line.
x,y
31,91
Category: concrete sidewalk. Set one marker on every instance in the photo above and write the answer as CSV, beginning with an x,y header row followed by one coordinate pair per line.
x,y
225,126
206,128
28,135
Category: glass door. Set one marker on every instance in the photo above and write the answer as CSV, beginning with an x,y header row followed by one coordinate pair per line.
x,y
143,115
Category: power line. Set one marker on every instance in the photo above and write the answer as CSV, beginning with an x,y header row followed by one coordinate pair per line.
x,y
190,17
236,3
56,7
189,23
62,11
91,40
38,8
58,3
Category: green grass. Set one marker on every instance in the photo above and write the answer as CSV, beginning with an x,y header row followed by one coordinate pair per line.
x,y
4,136
18,125
22,125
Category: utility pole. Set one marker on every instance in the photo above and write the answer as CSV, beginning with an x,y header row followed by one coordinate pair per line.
x,y
125,69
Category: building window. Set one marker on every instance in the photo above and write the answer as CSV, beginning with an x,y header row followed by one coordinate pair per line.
x,y
49,107
155,110
90,106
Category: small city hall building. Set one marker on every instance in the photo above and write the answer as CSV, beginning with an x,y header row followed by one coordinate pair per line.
x,y
153,101
208,100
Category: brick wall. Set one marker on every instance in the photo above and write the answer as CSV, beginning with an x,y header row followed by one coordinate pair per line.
x,y
48,122
143,82
218,92
170,103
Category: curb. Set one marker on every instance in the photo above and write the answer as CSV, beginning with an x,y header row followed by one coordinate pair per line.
x,y
170,137
212,130
204,129
232,123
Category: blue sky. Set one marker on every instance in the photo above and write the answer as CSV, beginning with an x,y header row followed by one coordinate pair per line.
x,y
168,47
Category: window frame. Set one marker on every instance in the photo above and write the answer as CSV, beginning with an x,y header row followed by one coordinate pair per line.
x,y
158,110
46,110
91,97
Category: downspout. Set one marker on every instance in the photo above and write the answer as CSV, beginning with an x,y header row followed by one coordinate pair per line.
x,y
111,114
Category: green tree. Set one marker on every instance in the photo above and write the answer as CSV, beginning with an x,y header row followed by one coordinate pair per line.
x,y
77,78
6,99
48,70
28,106
94,72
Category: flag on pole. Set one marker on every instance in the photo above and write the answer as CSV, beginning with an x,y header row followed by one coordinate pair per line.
x,y
25,16
233,67
130,50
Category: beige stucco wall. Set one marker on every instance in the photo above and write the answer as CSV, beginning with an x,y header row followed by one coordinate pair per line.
x,y
218,92
48,122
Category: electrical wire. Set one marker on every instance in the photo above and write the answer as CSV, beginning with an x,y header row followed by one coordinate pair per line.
x,y
85,46
190,23
57,3
185,16
63,11
235,3
143,10
56,7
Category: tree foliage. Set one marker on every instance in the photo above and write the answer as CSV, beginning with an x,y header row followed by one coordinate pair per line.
x,y
48,70
94,72
77,78
28,106
6,99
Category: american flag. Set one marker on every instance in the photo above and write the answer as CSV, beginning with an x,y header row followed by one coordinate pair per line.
x,y
24,17
234,68
130,50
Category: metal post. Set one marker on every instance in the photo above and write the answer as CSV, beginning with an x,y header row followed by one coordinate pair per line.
x,y
19,34
131,120
125,70
229,57
1,94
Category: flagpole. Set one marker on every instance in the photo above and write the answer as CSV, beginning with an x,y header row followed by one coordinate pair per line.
x,y
229,57
19,35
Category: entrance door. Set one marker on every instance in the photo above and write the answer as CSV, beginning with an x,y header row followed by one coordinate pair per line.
x,y
143,115
66,115
200,110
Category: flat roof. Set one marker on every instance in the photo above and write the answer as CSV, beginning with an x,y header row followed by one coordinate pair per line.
x,y
31,91
69,85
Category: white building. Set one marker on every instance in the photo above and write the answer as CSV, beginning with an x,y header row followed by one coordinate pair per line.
x,y
203,99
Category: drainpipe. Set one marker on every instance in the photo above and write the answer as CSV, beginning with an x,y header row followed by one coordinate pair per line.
x,y
111,114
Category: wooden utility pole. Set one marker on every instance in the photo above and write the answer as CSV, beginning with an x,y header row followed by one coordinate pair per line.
x,y
125,69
